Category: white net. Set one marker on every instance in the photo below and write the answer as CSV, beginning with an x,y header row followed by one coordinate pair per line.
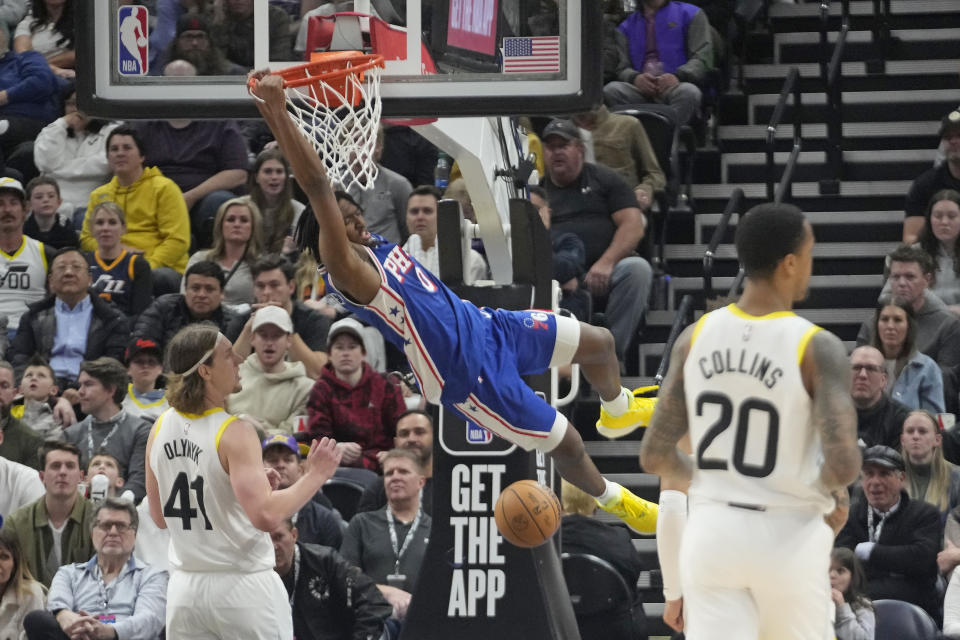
x,y
341,123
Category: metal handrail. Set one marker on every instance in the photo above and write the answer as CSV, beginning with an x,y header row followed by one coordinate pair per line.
x,y
791,84
734,205
680,320
880,33
830,76
737,281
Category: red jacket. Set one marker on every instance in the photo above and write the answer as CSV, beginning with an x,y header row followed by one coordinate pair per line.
x,y
366,414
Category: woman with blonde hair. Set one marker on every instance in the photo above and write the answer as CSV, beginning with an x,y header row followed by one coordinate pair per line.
x,y
19,592
237,243
928,476
120,274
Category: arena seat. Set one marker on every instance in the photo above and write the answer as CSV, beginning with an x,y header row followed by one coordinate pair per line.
x,y
897,620
344,494
602,602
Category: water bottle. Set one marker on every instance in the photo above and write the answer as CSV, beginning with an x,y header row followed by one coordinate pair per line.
x,y
441,174
99,485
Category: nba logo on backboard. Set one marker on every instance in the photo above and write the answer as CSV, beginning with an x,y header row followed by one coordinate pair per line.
x,y
132,40
477,434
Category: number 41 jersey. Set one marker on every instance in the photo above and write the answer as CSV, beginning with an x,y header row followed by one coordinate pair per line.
x,y
209,531
749,412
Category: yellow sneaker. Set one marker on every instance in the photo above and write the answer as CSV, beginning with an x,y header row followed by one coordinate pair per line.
x,y
639,514
637,415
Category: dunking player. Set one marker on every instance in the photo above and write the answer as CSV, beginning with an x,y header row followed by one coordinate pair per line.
x,y
765,396
469,359
206,483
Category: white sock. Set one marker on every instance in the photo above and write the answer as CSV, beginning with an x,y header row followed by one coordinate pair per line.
x,y
619,405
611,492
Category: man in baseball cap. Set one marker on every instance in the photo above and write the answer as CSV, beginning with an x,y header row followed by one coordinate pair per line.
x,y
347,326
355,402
593,203
275,390
563,128
889,532
29,257
194,44
316,521
145,393
12,184
938,178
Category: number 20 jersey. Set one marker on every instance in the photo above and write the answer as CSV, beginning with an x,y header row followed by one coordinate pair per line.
x,y
209,531
749,412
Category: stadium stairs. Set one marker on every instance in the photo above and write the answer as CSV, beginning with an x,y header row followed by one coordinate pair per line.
x,y
890,136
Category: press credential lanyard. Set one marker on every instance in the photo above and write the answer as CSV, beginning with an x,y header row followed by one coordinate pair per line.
x,y
398,551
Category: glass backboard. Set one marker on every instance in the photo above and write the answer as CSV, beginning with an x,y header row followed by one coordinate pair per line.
x,y
466,57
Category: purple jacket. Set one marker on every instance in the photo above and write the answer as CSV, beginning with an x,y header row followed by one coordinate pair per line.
x,y
671,24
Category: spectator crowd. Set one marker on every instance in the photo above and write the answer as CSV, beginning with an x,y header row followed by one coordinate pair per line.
x,y
115,235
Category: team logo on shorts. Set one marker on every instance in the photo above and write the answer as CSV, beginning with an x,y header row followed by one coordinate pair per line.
x,y
536,320
477,434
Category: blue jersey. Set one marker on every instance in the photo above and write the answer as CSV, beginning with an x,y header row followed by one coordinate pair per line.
x,y
114,282
443,337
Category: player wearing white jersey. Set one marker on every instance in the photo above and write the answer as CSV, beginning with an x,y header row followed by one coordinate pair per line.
x,y
761,397
207,485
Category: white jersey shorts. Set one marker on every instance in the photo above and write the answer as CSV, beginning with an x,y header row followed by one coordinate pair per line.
x,y
755,575
228,606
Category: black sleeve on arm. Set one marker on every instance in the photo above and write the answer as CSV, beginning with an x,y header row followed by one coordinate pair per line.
x,y
24,345
368,605
142,294
617,194
918,197
313,329
118,336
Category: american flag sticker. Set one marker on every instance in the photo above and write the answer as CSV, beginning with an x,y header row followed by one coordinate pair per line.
x,y
539,54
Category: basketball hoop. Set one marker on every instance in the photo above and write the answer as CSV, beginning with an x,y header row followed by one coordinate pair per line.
x,y
335,102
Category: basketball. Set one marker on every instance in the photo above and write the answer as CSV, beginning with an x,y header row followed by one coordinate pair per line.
x,y
527,514
141,41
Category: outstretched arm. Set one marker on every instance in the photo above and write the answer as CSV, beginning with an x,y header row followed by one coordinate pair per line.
x,y
349,271
659,452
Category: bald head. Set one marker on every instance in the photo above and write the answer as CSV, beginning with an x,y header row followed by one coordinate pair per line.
x,y
179,68
869,373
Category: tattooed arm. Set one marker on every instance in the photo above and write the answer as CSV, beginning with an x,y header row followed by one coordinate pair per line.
x,y
826,374
659,452
664,452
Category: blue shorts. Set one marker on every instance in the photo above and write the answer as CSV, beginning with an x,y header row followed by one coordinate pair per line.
x,y
521,343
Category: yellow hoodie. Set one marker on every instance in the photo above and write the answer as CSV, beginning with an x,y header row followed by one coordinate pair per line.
x,y
157,219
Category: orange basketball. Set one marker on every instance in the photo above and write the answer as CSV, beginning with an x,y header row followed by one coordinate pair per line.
x,y
527,513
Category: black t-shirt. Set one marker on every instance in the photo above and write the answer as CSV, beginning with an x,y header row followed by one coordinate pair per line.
x,y
586,206
311,325
882,423
927,184
60,235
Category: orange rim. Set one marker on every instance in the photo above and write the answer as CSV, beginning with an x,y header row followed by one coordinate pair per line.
x,y
319,68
